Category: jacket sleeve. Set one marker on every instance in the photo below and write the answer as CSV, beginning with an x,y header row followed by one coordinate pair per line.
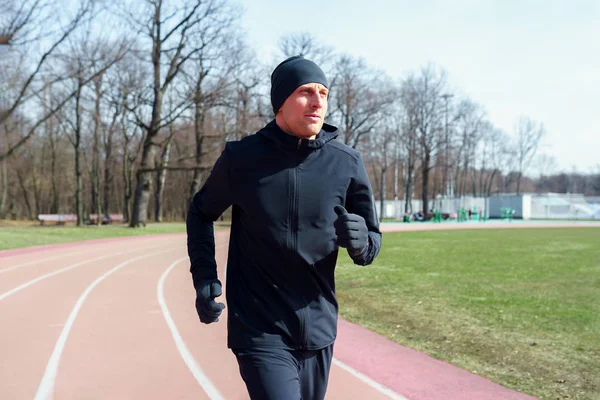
x,y
206,206
360,200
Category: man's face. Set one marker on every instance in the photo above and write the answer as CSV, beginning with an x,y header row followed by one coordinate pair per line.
x,y
303,112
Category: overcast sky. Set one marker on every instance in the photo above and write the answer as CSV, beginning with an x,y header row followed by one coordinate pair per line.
x,y
535,58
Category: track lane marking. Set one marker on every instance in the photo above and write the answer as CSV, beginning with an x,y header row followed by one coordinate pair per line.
x,y
210,389
371,382
6,269
46,387
59,271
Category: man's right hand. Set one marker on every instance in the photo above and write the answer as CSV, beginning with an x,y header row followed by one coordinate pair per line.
x,y
206,306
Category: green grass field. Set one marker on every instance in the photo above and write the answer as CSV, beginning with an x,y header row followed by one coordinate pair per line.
x,y
25,236
521,307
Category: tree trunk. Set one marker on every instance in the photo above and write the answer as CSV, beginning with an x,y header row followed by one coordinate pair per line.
x,y
482,181
408,195
160,181
78,185
109,163
144,175
436,182
199,118
54,202
128,180
97,204
147,165
519,175
425,173
142,197
36,188
107,176
55,194
382,193
25,194
77,146
376,182
4,192
491,182
408,189
396,177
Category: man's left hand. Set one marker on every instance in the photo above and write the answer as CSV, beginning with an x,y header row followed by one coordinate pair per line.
x,y
351,231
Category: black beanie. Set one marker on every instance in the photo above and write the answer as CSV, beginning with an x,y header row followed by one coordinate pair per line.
x,y
291,73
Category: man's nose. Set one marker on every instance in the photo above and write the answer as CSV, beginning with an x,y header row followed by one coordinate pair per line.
x,y
318,102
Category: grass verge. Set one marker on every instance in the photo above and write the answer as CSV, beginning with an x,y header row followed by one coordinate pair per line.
x,y
26,236
521,307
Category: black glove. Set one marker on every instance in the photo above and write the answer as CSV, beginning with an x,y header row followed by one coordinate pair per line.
x,y
206,306
351,231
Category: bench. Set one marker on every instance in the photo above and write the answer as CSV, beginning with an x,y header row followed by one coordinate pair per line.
x,y
106,218
60,219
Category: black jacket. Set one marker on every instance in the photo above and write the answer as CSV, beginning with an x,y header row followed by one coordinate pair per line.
x,y
282,249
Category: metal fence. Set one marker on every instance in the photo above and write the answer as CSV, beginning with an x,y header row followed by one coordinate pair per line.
x,y
526,206
395,209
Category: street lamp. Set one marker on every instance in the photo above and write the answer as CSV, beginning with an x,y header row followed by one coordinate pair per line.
x,y
449,175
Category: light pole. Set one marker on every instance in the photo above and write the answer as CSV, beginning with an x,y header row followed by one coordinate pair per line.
x,y
449,177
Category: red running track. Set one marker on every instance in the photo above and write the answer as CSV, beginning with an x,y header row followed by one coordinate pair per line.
x,y
115,319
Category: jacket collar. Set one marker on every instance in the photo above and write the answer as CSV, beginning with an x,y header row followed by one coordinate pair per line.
x,y
273,132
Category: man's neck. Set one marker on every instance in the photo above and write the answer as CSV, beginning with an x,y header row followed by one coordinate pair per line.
x,y
289,132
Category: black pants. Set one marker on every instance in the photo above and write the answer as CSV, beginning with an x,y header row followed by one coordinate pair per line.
x,y
278,374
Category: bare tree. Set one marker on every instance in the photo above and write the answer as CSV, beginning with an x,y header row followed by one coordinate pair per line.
x,y
381,150
408,138
247,102
161,177
501,156
96,169
24,186
545,164
487,130
528,137
208,79
72,128
131,151
127,94
306,45
170,31
40,23
108,139
469,122
360,98
53,136
428,87
85,61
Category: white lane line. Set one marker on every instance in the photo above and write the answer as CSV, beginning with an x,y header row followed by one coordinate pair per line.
x,y
59,271
6,269
46,388
188,358
375,385
3,270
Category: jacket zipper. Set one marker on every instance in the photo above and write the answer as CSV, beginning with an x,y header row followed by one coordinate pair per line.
x,y
295,201
304,322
